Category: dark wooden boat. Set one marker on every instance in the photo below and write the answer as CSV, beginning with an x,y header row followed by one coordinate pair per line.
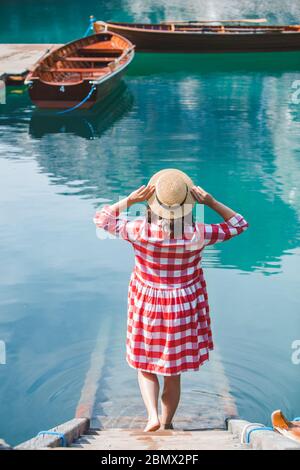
x,y
231,36
80,73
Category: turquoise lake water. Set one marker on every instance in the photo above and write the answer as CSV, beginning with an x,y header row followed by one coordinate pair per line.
x,y
233,124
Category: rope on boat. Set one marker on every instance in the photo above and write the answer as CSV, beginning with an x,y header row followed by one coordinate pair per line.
x,y
68,110
90,27
53,433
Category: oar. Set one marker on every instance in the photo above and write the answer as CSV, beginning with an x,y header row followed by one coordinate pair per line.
x,y
259,20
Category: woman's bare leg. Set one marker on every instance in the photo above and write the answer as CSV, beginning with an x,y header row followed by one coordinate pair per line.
x,y
169,400
149,386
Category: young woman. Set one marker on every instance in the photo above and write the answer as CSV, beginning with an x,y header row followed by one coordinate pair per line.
x,y
168,324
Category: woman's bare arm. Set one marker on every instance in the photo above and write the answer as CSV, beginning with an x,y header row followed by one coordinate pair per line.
x,y
203,197
139,195
108,217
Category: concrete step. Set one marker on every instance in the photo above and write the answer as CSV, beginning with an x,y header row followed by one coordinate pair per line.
x,y
136,439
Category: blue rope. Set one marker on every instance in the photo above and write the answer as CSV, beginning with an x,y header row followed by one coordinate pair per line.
x,y
78,104
90,27
264,428
53,433
87,31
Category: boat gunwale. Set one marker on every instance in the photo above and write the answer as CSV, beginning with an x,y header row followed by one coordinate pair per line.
x,y
116,71
268,29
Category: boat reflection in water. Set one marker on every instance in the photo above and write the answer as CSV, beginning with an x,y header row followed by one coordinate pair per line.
x,y
89,124
146,64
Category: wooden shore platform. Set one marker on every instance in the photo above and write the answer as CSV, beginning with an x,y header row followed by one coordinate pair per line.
x,y
17,59
135,439
117,424
78,435
110,414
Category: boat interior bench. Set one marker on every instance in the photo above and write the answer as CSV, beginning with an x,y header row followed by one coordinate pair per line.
x,y
104,46
88,59
99,50
78,70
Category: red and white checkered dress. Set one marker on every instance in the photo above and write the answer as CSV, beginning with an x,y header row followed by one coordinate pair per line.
x,y
168,325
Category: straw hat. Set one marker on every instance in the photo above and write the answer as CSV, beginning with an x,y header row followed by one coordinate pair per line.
x,y
172,198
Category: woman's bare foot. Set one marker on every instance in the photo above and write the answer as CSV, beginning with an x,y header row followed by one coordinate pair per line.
x,y
152,425
167,426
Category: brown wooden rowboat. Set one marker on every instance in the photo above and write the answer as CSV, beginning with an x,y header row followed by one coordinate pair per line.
x,y
206,37
80,73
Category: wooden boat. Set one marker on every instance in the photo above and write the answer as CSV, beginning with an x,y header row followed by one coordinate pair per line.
x,y
290,429
80,73
197,36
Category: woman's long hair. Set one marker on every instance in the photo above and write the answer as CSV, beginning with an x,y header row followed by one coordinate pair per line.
x,y
174,227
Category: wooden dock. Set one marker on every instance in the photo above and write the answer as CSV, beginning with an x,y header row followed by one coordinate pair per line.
x,y
17,59
110,414
135,439
109,417
77,435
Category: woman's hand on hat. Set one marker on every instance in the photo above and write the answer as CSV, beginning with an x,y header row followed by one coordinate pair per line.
x,y
141,194
202,196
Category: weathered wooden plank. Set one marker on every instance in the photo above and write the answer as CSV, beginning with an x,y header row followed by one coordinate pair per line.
x,y
71,430
17,59
262,439
135,439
